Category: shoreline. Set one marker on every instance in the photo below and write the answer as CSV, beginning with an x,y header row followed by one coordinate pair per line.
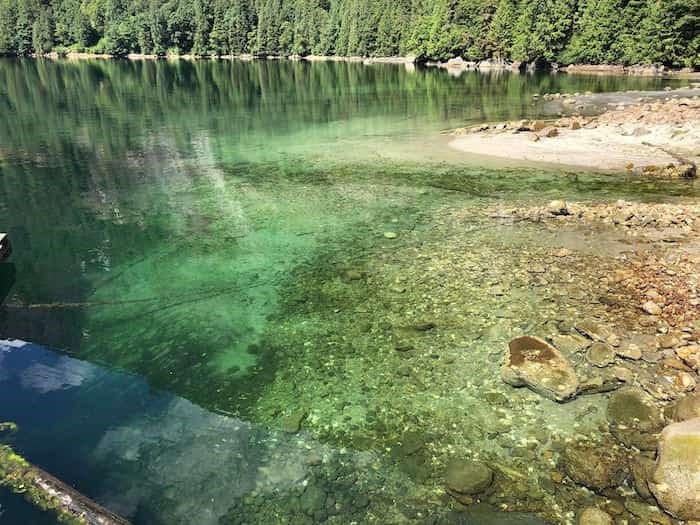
x,y
657,134
453,64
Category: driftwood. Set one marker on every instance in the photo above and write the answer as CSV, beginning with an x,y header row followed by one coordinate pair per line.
x,y
50,493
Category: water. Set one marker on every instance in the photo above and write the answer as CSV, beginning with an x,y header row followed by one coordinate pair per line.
x,y
200,251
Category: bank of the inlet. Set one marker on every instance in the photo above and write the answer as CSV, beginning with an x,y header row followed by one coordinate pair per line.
x,y
650,438
645,133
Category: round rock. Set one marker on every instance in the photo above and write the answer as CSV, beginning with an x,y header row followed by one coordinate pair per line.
x,y
594,516
595,466
468,477
600,355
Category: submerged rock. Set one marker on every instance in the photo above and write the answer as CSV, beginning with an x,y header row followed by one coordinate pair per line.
x,y
594,516
642,469
468,477
595,466
291,423
484,514
651,308
690,355
600,355
676,480
633,347
687,408
634,418
534,363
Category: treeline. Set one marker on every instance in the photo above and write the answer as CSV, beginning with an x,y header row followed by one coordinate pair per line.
x,y
549,31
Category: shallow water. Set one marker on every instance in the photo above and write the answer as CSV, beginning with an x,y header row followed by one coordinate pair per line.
x,y
206,241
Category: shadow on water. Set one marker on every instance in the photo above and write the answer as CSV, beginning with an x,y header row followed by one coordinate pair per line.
x,y
8,274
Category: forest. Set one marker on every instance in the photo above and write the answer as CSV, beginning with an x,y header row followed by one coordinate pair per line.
x,y
541,31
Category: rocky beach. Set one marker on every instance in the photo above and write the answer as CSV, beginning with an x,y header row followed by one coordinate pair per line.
x,y
655,134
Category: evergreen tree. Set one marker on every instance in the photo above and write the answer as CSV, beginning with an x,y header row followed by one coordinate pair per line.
x,y
592,31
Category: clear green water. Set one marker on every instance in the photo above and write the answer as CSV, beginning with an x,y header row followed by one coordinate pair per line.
x,y
209,228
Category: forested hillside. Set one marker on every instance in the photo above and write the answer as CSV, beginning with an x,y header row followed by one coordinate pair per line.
x,y
564,31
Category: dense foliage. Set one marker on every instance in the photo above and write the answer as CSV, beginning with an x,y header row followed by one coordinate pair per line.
x,y
567,31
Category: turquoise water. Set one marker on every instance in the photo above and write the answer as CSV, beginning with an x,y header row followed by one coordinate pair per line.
x,y
216,232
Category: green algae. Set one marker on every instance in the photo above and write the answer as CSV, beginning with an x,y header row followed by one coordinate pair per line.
x,y
19,476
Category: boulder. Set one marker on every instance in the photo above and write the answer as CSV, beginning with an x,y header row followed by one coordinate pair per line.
x,y
595,466
594,516
634,418
534,363
468,477
676,480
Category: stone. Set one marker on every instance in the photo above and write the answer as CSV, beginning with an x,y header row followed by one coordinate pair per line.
x,y
633,347
600,354
642,469
291,423
647,514
575,124
687,408
623,374
533,137
594,516
594,331
313,499
534,363
558,207
549,131
468,477
690,355
538,125
570,344
676,480
667,341
634,418
390,235
594,466
599,384
651,308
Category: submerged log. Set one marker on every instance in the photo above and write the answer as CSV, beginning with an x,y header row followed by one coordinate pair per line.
x,y
50,493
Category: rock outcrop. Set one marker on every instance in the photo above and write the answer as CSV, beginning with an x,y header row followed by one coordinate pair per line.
x,y
534,363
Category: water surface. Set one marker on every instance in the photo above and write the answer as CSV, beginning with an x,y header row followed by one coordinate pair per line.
x,y
187,235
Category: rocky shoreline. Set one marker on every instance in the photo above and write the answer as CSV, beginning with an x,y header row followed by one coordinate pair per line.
x,y
654,417
454,64
534,359
658,134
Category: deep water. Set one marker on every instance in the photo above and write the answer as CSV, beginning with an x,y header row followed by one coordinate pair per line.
x,y
184,235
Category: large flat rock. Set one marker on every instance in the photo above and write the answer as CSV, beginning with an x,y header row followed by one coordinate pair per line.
x,y
534,363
